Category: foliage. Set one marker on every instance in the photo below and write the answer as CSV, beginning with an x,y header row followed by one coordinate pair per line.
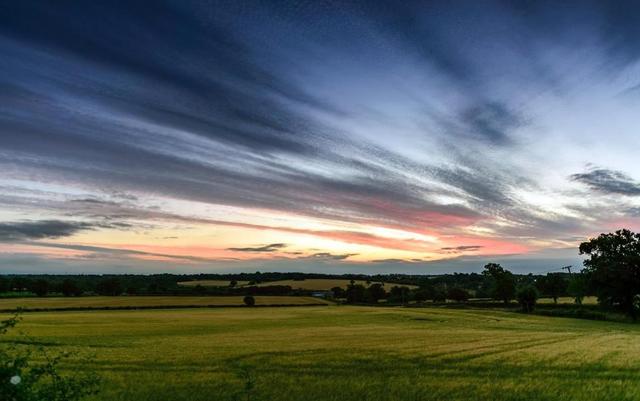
x,y
578,287
375,292
614,269
458,294
25,376
355,293
527,297
553,285
69,288
40,287
109,286
399,294
249,300
503,282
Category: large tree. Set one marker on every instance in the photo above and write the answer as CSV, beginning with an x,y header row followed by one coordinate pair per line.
x,y
614,268
503,282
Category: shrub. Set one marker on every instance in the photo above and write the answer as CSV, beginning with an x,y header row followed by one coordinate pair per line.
x,y
249,300
458,295
527,297
23,379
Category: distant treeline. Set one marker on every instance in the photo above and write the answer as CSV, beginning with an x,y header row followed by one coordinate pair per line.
x,y
456,286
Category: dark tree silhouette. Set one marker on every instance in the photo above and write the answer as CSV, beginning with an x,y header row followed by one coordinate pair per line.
x,y
527,297
249,300
614,269
503,282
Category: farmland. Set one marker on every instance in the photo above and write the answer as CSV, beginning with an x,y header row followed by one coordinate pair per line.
x,y
147,301
345,353
210,283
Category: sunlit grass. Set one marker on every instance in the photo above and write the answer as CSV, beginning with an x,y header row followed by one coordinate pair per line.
x,y
347,353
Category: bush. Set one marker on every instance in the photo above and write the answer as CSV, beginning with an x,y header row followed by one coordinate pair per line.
x,y
22,379
527,297
458,295
249,300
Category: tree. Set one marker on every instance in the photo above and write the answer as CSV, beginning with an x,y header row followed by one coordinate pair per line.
x,y
614,268
439,295
109,286
249,300
553,285
339,292
69,288
375,293
233,283
4,285
578,286
458,294
355,293
527,297
399,294
40,287
503,283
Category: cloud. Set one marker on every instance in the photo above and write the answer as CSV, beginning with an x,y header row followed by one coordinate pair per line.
x,y
264,248
32,230
462,248
329,256
608,182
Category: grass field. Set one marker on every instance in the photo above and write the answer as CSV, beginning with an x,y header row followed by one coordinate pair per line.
x,y
152,301
346,353
210,283
325,284
569,300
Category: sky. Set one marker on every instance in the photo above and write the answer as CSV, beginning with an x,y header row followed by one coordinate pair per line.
x,y
315,136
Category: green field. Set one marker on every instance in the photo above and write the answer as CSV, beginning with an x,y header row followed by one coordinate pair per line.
x,y
327,284
346,353
147,301
210,283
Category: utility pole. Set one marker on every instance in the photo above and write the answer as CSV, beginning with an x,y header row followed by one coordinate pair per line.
x,y
567,268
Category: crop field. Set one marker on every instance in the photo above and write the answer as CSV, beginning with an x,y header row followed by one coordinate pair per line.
x,y
210,283
144,301
326,284
569,300
345,353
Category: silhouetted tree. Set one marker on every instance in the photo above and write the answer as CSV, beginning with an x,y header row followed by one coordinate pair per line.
x,y
399,294
578,287
40,287
458,294
375,293
527,297
503,283
355,293
69,288
614,268
249,300
4,284
553,285
109,286
439,294
339,292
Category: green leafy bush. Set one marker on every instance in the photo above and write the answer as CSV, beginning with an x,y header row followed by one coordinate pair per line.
x,y
31,374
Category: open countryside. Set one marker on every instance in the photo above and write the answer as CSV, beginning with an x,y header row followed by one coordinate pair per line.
x,y
345,353
304,284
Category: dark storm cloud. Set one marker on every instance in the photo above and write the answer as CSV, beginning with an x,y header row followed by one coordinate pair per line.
x,y
34,230
609,181
264,248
